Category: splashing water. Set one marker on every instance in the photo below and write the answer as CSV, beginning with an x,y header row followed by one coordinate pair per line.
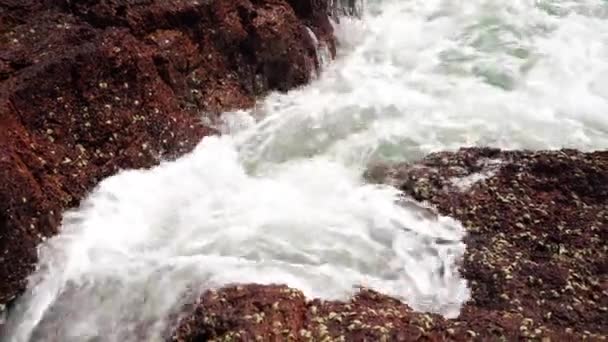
x,y
281,200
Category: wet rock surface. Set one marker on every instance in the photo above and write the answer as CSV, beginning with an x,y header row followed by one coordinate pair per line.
x,y
536,260
88,88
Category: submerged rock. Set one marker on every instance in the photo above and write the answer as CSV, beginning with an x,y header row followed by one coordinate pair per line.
x,y
536,260
91,87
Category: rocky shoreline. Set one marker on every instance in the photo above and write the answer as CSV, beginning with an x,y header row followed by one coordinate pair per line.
x,y
88,88
536,260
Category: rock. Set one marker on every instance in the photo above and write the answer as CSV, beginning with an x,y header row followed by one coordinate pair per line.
x,y
88,88
278,313
255,311
535,261
537,222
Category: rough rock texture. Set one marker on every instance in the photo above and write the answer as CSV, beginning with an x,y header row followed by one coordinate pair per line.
x,y
536,260
89,87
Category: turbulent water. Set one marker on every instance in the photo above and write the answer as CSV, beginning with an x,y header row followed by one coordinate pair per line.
x,y
280,197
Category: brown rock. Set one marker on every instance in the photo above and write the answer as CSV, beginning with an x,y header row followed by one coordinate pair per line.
x,y
537,226
254,311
